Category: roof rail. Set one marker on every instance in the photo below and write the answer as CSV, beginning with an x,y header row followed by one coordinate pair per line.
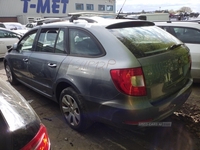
x,y
51,20
100,14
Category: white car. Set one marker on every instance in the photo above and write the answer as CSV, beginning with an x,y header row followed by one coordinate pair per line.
x,y
30,25
188,33
15,26
7,39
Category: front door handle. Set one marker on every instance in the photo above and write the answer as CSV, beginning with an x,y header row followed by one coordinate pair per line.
x,y
52,65
9,46
25,59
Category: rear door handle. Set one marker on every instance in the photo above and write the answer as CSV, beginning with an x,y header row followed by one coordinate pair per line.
x,y
52,65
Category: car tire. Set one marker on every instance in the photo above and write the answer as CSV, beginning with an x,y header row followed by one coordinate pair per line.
x,y
10,76
74,110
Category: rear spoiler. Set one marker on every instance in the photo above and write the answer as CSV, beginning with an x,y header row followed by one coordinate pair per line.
x,y
126,24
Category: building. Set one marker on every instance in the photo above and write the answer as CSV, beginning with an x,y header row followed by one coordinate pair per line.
x,y
25,11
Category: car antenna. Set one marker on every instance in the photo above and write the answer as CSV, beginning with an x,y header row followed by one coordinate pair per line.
x,y
120,10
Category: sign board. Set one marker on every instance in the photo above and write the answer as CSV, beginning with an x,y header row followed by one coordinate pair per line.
x,y
45,6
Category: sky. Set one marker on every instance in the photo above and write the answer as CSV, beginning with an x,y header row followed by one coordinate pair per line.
x,y
152,5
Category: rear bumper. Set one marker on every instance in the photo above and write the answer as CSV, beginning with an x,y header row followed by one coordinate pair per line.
x,y
112,113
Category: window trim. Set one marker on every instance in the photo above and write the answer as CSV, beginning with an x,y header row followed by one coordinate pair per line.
x,y
172,30
64,41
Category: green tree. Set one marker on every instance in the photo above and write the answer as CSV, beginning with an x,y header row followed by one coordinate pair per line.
x,y
172,11
186,9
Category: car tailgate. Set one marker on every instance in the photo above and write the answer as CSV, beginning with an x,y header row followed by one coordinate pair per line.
x,y
166,73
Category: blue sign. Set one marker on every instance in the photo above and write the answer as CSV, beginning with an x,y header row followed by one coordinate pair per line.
x,y
46,6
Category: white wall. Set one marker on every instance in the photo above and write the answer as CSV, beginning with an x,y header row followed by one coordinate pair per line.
x,y
24,9
13,8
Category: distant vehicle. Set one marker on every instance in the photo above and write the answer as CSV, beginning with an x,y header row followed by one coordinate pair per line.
x,y
188,33
150,16
7,39
29,26
117,71
18,27
35,23
20,127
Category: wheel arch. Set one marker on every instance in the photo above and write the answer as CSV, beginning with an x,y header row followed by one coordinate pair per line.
x,y
61,85
4,62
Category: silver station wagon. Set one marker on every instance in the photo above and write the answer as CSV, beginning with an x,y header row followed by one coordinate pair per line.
x,y
119,72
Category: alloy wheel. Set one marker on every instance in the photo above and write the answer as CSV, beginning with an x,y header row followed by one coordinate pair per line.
x,y
71,110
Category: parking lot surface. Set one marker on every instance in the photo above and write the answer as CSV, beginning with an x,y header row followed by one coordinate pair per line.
x,y
183,134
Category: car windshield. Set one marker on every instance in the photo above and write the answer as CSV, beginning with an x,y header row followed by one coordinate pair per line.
x,y
145,41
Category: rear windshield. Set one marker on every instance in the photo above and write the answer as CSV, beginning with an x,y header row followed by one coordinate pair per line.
x,y
145,41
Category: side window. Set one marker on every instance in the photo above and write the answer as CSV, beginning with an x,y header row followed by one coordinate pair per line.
x,y
166,28
7,34
187,35
1,34
82,43
2,25
47,40
27,42
29,26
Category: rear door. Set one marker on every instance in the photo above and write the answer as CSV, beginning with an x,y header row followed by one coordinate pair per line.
x,y
46,59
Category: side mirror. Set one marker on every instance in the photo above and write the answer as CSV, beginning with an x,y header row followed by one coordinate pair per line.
x,y
14,46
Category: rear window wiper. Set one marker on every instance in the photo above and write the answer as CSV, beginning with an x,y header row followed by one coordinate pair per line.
x,y
174,46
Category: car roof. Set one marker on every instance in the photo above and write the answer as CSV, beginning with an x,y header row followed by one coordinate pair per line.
x,y
179,23
5,29
98,22
12,23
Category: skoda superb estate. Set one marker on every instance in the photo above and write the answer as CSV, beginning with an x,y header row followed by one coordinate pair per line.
x,y
120,72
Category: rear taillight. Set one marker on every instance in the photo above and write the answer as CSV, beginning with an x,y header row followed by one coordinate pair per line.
x,y
40,141
129,81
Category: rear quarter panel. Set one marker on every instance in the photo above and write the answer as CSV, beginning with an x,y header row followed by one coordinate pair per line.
x,y
91,75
